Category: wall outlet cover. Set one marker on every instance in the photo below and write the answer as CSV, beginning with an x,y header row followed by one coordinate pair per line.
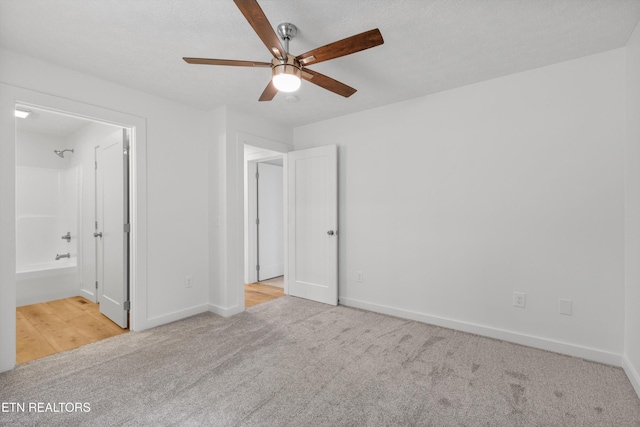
x,y
519,299
566,307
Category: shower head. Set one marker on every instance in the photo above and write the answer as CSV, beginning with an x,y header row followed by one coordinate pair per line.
x,y
61,152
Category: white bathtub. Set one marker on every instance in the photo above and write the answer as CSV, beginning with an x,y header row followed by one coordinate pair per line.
x,y
46,281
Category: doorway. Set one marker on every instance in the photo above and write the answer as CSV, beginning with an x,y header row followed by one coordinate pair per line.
x,y
310,215
60,193
269,221
264,225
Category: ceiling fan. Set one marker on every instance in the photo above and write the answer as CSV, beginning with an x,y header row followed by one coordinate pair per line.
x,y
287,69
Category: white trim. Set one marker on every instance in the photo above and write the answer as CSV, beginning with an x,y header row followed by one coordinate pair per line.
x,y
260,142
587,353
177,315
250,230
226,312
634,376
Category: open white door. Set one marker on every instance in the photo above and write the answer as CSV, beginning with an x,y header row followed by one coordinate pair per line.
x,y
313,224
112,222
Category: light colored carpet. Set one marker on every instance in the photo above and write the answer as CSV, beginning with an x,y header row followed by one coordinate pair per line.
x,y
291,362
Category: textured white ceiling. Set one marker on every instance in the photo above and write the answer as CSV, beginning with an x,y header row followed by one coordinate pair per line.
x,y
430,45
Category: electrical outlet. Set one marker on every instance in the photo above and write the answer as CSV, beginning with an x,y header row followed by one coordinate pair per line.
x,y
566,307
359,276
188,282
519,299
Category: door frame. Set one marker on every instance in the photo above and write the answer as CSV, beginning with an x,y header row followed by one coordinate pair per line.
x,y
10,96
236,256
251,206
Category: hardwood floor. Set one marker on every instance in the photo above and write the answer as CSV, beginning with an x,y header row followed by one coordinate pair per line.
x,y
61,325
257,293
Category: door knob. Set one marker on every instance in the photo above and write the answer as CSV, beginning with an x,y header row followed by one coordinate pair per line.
x,y
330,232
96,234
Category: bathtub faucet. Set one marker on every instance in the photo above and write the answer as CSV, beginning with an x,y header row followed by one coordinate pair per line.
x,y
67,255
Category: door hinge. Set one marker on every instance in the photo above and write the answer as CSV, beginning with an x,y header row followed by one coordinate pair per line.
x,y
257,175
127,228
257,268
96,165
257,221
126,142
127,305
96,284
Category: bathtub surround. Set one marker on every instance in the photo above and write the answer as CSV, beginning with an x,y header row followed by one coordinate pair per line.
x,y
292,362
47,211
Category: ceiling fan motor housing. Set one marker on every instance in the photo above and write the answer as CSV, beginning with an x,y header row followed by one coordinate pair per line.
x,y
286,69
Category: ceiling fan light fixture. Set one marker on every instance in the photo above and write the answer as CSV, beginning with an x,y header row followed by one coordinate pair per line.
x,y
286,74
286,82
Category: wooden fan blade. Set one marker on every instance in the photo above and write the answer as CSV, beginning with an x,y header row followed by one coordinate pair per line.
x,y
353,44
327,83
232,62
269,92
260,24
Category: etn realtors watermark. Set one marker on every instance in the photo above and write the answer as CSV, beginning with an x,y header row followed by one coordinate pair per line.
x,y
40,407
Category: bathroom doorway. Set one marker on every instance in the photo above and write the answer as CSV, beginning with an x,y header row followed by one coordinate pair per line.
x,y
61,239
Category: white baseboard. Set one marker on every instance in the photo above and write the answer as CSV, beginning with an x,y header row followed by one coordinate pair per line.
x,y
501,334
225,312
632,373
172,317
46,298
86,294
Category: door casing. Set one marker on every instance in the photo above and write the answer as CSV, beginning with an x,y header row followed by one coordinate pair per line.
x,y
10,96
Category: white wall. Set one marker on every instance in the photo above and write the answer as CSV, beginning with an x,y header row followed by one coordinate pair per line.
x,y
233,129
175,194
450,202
35,149
632,213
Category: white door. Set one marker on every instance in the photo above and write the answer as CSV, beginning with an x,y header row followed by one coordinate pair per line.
x,y
313,224
112,235
270,224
